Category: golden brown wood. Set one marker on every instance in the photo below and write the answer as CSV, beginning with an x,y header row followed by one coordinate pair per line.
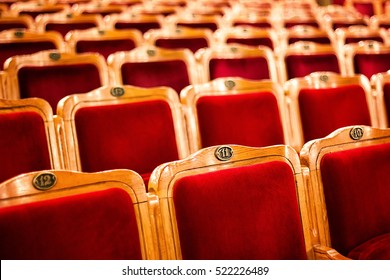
x,y
378,81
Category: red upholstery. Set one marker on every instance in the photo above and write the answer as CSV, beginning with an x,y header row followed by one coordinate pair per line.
x,y
365,8
242,213
255,68
34,14
302,65
64,28
386,98
289,24
173,74
347,24
18,48
350,40
99,225
325,110
52,83
11,25
254,24
104,47
245,119
23,143
369,65
193,44
319,40
141,26
137,136
252,42
377,248
357,196
210,25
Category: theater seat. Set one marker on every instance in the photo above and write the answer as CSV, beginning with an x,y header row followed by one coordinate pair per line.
x,y
348,171
234,202
66,215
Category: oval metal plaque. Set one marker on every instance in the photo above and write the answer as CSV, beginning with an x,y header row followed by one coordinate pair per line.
x,y
324,78
356,133
55,56
19,33
44,181
117,91
151,52
229,84
224,153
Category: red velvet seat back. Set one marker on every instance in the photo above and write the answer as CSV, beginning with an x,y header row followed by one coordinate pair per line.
x,y
34,14
255,68
23,144
137,136
386,98
52,83
370,64
252,42
303,65
318,40
141,26
350,40
97,225
64,28
210,25
11,25
173,74
325,110
365,8
193,44
290,24
246,212
104,47
19,48
254,24
347,24
244,119
357,194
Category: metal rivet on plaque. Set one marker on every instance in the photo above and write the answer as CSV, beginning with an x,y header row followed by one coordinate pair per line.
x,y
229,84
324,78
223,153
356,133
151,52
44,181
19,34
117,91
55,56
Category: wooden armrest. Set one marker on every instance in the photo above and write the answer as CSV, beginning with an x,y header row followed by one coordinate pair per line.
x,y
327,253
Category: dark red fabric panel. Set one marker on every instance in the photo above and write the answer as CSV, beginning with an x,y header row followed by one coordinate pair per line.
x,y
64,28
357,195
254,24
245,119
11,25
325,110
193,44
319,40
210,25
377,248
255,68
99,225
290,24
252,42
52,83
141,26
350,40
18,48
241,213
347,24
370,64
302,65
172,74
104,47
137,136
386,98
34,14
365,8
23,144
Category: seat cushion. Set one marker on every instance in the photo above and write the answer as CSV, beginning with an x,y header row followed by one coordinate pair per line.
x,y
377,248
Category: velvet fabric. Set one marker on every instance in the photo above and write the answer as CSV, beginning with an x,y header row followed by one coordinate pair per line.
x,y
254,24
193,44
325,110
99,225
350,40
34,14
137,136
141,26
64,28
377,248
246,212
303,65
52,83
291,24
357,195
210,25
365,8
172,74
245,119
347,24
104,47
23,142
255,68
386,98
370,64
19,48
319,40
252,42
12,25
